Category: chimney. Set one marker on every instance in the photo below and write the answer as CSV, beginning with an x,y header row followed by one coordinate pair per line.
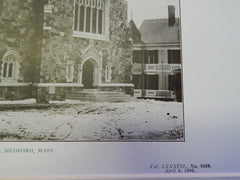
x,y
171,15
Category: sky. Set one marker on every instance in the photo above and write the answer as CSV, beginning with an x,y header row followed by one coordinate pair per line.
x,y
150,9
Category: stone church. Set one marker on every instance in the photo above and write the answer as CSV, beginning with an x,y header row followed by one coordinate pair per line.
x,y
52,49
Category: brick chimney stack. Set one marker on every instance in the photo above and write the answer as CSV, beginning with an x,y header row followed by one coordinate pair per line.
x,y
171,15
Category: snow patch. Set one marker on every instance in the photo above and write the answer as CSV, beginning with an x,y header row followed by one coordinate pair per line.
x,y
141,120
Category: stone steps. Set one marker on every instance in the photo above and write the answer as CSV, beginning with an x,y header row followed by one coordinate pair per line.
x,y
101,96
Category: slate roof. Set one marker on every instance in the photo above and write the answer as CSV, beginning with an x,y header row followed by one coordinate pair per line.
x,y
158,31
136,35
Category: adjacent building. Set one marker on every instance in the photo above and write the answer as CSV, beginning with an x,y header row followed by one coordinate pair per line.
x,y
51,49
157,58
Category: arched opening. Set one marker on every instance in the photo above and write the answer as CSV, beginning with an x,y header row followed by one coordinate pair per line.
x,y
88,75
9,67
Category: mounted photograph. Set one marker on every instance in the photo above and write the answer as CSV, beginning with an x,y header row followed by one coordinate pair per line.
x,y
90,71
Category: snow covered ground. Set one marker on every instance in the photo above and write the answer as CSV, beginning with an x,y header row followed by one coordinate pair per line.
x,y
139,120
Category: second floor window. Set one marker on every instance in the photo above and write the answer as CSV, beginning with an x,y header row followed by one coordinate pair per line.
x,y
174,57
89,16
150,56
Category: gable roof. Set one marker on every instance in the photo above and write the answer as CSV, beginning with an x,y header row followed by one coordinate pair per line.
x,y
136,35
158,31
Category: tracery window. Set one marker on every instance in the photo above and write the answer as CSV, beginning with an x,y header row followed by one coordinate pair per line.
x,y
9,68
90,16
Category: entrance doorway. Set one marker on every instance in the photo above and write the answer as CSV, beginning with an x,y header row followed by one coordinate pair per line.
x,y
88,75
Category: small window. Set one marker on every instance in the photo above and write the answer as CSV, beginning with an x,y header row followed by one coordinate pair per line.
x,y
150,56
70,71
153,57
174,57
10,66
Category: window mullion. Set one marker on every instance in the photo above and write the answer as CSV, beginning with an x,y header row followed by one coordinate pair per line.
x,y
13,70
7,72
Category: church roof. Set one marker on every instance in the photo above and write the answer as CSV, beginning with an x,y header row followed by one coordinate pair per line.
x,y
158,31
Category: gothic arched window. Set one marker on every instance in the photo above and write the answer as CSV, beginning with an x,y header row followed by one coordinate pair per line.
x,y
90,17
10,63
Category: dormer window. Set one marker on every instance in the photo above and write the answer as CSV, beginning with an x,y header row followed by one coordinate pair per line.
x,y
90,19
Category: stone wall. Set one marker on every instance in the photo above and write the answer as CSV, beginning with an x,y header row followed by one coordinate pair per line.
x,y
15,91
59,44
55,91
41,32
20,30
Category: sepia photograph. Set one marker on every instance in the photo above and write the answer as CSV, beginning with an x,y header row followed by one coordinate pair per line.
x,y
91,70
119,89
